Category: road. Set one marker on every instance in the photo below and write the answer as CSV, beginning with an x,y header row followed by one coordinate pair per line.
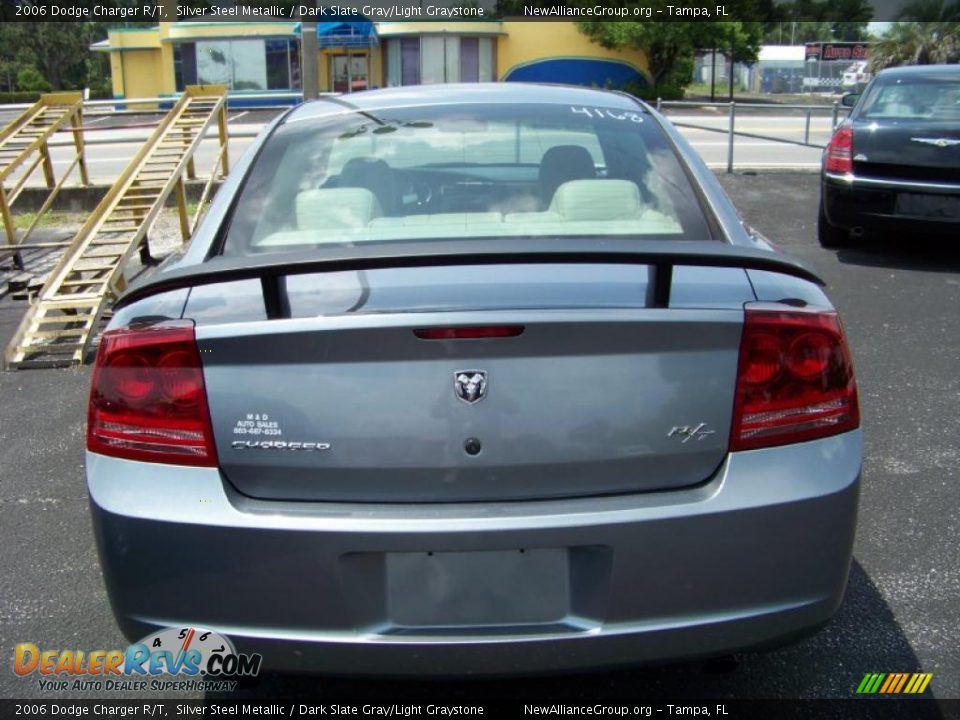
x,y
901,612
114,140
754,153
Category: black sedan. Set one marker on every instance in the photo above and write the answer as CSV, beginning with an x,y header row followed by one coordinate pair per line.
x,y
894,165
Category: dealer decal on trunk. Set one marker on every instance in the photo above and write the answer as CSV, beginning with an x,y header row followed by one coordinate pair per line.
x,y
258,424
263,425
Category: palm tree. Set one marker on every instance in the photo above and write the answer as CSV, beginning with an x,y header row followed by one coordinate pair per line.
x,y
931,11
918,43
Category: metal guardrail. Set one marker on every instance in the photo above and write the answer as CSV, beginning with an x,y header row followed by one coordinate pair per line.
x,y
140,139
153,105
731,107
101,108
91,105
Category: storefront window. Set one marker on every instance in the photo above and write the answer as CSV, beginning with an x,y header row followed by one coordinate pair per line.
x,y
469,59
439,59
185,64
283,65
249,65
410,59
432,62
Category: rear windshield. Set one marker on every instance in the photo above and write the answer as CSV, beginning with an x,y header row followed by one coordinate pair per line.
x,y
932,98
464,171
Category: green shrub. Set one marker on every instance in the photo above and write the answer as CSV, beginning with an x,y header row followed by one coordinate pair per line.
x,y
29,78
664,91
101,89
10,98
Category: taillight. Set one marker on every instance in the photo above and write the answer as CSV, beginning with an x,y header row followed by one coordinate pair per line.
x,y
839,156
795,380
469,332
148,401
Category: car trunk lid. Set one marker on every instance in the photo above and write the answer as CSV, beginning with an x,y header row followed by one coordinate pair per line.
x,y
591,392
895,150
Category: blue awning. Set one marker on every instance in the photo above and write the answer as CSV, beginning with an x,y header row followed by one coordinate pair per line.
x,y
346,34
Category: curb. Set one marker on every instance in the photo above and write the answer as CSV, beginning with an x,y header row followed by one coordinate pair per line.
x,y
78,199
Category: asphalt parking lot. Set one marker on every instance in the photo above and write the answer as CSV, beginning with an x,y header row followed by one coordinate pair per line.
x,y
898,298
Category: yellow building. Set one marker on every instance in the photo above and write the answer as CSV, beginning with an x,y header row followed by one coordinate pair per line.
x,y
257,60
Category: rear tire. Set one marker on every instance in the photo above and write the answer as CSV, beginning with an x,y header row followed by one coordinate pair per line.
x,y
830,236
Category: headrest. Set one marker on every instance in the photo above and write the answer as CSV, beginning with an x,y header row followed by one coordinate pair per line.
x,y
361,168
562,163
597,200
374,175
336,208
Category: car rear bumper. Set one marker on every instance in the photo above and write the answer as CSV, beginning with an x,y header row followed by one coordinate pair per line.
x,y
851,201
757,555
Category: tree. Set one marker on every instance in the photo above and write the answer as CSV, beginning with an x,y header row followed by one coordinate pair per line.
x,y
669,46
849,19
663,43
10,60
57,49
931,11
60,51
915,43
805,21
849,31
29,80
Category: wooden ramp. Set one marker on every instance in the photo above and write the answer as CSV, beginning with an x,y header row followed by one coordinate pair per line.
x,y
24,148
60,326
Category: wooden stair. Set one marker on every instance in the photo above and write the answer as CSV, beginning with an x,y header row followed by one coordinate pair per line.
x,y
58,329
24,147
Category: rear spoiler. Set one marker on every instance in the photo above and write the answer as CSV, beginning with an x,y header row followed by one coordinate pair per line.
x,y
660,255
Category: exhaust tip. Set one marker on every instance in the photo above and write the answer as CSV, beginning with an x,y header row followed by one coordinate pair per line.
x,y
723,665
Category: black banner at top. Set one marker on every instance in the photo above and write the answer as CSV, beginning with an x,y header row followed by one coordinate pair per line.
x,y
127,12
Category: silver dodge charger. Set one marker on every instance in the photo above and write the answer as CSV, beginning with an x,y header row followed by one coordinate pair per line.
x,y
475,379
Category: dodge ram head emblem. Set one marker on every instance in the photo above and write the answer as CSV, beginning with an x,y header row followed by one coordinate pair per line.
x,y
470,385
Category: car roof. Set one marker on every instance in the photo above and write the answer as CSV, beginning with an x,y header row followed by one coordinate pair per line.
x,y
464,93
913,71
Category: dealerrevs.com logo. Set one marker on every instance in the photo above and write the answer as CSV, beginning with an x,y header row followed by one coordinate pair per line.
x,y
199,660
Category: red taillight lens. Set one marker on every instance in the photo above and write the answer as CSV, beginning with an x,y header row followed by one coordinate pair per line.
x,y
148,401
840,151
469,333
795,380
763,359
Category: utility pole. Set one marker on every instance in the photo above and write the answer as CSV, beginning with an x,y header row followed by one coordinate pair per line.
x,y
169,10
733,48
713,75
308,59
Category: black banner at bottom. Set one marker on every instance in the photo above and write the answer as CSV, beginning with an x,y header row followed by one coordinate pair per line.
x,y
886,709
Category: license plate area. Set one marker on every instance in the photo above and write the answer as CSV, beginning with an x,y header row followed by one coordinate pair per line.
x,y
477,589
481,591
928,206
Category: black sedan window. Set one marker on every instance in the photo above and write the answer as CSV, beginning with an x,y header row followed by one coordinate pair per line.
x,y
464,171
921,98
